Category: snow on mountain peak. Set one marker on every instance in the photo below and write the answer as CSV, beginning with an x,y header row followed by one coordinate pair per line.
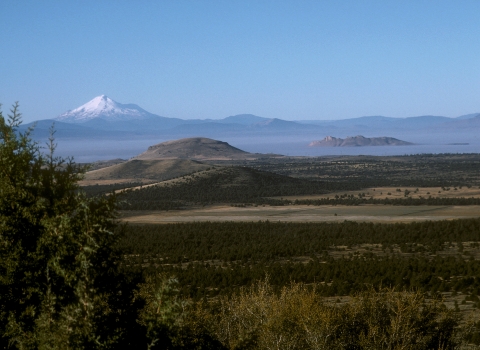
x,y
97,104
103,107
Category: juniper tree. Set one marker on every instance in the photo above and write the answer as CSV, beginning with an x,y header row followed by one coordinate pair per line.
x,y
59,282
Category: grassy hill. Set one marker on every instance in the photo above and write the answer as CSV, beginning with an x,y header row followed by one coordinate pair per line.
x,y
199,148
143,171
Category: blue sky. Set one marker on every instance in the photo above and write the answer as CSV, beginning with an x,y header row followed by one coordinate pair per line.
x,y
211,59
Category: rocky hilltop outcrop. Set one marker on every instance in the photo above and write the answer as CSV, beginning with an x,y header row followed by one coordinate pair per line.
x,y
358,141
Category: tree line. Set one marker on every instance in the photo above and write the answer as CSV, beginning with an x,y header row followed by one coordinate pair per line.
x,y
212,259
229,241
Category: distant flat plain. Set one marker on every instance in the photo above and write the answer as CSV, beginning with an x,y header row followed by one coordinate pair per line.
x,y
304,213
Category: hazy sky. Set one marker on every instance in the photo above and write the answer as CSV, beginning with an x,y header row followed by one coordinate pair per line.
x,y
211,59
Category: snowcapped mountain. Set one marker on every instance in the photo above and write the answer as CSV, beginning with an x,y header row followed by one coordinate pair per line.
x,y
104,108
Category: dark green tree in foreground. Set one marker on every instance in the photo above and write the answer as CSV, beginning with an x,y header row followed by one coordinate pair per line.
x,y
59,283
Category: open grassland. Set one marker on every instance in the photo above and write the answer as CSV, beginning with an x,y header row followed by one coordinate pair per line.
x,y
177,181
397,193
142,171
304,213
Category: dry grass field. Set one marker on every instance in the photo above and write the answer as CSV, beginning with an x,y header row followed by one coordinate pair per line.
x,y
203,172
144,171
304,213
403,192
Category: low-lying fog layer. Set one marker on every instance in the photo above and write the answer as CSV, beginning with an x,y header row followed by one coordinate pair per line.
x,y
290,145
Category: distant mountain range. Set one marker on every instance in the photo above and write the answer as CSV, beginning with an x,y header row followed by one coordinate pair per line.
x,y
359,141
380,122
103,118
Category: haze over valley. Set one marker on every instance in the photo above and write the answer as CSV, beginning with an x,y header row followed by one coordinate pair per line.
x,y
105,129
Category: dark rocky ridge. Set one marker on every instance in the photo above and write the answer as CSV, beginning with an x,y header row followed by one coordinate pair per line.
x,y
359,141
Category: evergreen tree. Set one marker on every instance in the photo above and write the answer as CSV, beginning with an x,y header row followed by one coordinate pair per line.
x,y
58,273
